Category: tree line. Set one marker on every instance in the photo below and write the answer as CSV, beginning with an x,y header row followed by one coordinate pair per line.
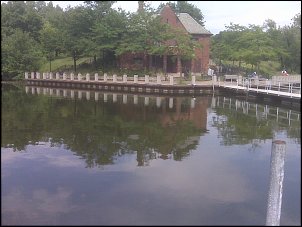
x,y
254,44
35,32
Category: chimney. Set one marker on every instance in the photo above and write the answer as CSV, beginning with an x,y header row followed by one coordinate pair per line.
x,y
140,6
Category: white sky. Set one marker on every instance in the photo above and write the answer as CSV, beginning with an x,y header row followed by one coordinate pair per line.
x,y
217,14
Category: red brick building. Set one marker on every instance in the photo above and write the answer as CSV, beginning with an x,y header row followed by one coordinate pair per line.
x,y
173,63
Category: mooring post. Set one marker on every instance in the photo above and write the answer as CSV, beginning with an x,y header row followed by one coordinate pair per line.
x,y
26,75
71,76
87,77
105,77
276,183
96,77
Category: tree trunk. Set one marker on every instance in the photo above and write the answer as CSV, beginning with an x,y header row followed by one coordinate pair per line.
x,y
150,62
165,64
179,65
74,63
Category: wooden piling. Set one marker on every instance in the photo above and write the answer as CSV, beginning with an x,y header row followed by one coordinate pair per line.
x,y
276,183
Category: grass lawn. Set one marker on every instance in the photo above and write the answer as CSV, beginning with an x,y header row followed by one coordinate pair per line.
x,y
62,63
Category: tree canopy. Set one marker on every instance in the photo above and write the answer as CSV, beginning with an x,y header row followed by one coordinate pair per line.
x,y
98,30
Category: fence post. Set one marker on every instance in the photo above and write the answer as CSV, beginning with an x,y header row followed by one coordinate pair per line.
x,y
171,80
194,80
146,79
114,78
158,79
135,79
276,183
125,78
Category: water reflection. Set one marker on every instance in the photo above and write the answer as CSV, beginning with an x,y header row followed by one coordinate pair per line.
x,y
152,127
199,167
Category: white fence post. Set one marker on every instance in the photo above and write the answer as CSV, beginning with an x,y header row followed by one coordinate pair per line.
x,y
158,79
125,78
146,79
135,79
171,80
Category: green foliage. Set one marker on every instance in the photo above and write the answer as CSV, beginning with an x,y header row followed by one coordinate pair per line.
x,y
255,44
20,53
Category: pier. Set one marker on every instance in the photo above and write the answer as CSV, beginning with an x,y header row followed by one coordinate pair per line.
x,y
287,89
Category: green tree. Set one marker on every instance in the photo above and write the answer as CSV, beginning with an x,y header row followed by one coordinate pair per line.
x,y
49,41
20,53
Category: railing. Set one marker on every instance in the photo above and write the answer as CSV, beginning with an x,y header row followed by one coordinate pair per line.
x,y
158,79
260,85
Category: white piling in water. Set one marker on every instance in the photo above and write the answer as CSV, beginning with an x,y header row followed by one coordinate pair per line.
x,y
276,183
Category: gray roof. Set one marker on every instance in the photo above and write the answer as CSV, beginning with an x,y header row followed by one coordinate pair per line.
x,y
191,25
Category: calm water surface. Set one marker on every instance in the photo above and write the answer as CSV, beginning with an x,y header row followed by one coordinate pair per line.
x,y
86,158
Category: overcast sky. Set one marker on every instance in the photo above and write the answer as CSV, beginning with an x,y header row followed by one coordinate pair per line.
x,y
217,14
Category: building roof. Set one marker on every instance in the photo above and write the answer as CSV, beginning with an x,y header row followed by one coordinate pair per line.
x,y
191,25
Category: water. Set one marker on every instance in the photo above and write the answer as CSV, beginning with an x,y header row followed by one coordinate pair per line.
x,y
117,159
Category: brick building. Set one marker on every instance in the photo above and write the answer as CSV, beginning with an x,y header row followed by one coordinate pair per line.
x,y
173,63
